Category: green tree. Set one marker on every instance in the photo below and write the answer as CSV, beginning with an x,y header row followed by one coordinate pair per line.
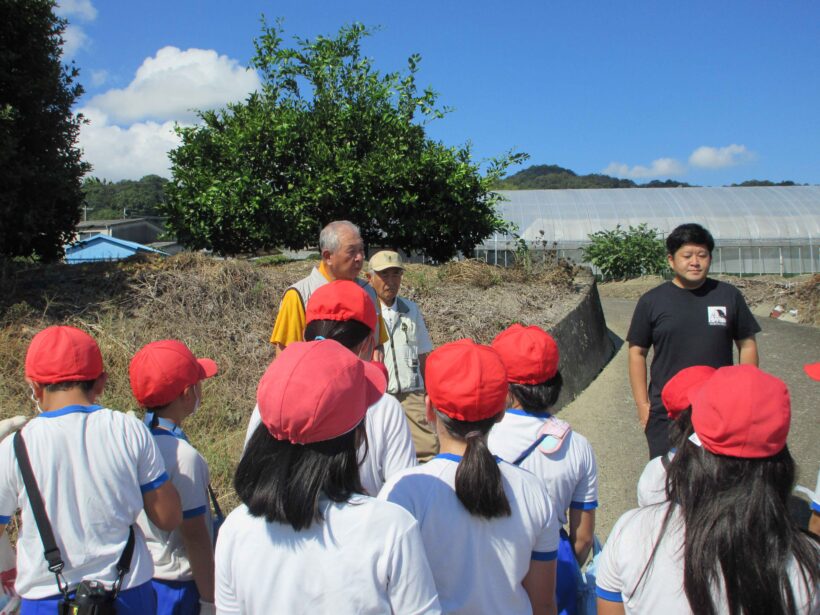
x,y
328,137
40,165
621,254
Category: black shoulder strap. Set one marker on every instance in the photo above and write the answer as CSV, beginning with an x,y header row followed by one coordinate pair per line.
x,y
124,563
215,502
528,451
665,461
50,549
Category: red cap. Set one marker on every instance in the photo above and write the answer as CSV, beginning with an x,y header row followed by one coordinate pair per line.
x,y
160,372
530,354
466,381
341,300
812,370
317,391
63,354
742,411
677,393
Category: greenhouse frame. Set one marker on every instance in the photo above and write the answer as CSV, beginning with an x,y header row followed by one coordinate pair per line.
x,y
757,230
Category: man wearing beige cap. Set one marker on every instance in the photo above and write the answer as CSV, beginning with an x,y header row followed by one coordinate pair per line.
x,y
406,348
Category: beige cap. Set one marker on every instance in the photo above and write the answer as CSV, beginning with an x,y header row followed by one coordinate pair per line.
x,y
385,260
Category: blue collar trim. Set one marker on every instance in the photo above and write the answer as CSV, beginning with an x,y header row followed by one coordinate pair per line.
x,y
164,427
457,458
50,414
519,412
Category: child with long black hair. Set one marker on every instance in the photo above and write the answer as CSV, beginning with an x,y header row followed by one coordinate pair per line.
x,y
343,312
724,541
306,539
489,530
676,399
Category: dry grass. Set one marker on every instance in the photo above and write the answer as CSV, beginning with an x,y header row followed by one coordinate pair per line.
x,y
225,310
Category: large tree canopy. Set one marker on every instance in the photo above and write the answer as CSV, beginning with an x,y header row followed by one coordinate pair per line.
x,y
40,166
328,137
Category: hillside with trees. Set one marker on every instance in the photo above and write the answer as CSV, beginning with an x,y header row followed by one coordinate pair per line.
x,y
107,200
553,177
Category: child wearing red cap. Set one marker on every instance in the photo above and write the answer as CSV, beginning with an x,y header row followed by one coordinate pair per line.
x,y
676,395
96,470
342,311
724,541
166,380
306,539
488,527
548,447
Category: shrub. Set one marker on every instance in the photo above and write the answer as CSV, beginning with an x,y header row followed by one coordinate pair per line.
x,y
621,254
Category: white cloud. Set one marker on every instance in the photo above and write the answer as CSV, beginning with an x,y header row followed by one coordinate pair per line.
x,y
126,153
662,167
98,77
74,39
130,130
719,157
74,36
173,83
83,10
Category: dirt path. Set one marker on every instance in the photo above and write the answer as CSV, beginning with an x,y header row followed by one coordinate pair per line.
x,y
605,412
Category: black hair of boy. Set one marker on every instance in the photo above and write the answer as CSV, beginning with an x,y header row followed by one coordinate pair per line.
x,y
689,233
538,397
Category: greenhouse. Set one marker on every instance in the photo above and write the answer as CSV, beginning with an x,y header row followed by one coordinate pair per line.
x,y
760,230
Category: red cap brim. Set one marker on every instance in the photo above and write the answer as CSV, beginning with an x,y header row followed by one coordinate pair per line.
x,y
209,367
812,370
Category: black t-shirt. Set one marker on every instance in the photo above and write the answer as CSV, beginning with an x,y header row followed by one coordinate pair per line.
x,y
689,327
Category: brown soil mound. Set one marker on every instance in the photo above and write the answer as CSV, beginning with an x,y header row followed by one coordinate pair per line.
x,y
224,309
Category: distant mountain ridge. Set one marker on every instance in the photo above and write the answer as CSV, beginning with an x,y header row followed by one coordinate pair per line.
x,y
554,177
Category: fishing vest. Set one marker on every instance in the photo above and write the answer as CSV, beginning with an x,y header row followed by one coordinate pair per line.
x,y
401,354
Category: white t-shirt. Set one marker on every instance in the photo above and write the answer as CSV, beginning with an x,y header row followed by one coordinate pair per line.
x,y
478,563
390,446
365,557
815,501
570,473
628,550
92,466
652,483
188,472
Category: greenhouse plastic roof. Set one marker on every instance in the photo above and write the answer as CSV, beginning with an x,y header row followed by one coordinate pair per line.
x,y
732,215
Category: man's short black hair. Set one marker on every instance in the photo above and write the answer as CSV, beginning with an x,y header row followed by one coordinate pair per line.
x,y
689,233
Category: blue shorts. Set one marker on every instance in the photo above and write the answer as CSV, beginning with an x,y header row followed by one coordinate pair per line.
x,y
139,600
566,577
176,597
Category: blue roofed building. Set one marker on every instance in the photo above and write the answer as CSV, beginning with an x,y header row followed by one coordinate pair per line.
x,y
104,248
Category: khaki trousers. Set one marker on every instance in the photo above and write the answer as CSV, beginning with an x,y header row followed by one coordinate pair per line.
x,y
424,436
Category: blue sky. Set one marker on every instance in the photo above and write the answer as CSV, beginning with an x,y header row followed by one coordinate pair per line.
x,y
706,92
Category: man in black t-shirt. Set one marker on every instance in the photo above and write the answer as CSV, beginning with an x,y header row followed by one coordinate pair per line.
x,y
691,320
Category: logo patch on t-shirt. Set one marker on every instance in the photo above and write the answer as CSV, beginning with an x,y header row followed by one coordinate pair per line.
x,y
717,315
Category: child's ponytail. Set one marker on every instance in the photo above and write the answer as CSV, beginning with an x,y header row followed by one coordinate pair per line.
x,y
479,485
